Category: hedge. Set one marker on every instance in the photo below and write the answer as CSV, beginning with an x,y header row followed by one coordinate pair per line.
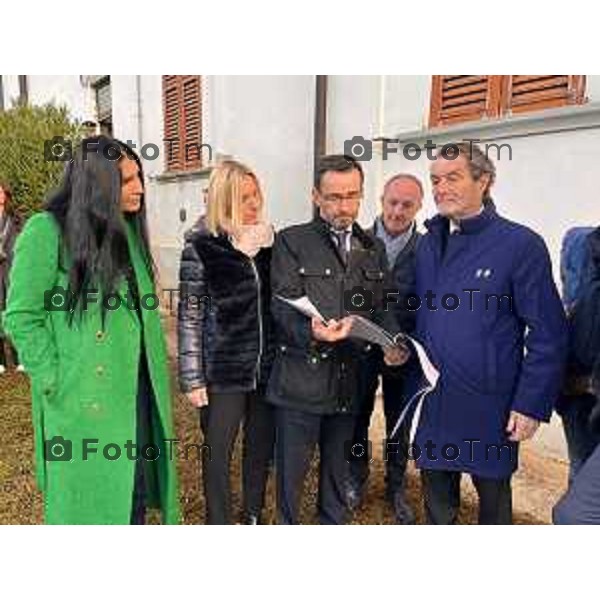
x,y
26,133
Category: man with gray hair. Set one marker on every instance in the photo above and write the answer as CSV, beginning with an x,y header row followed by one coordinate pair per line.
x,y
401,200
494,326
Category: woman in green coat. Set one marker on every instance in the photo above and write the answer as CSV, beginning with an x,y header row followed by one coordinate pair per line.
x,y
82,313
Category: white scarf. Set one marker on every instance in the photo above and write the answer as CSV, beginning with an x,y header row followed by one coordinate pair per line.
x,y
249,239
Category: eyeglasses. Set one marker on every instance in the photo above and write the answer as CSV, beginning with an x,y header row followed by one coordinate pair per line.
x,y
338,198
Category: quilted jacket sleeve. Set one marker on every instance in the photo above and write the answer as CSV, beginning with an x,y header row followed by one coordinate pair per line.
x,y
191,319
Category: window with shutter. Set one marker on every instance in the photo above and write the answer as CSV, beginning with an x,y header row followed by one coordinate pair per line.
x,y
522,93
182,107
461,98
172,117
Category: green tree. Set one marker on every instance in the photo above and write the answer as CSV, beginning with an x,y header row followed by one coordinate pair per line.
x,y
25,136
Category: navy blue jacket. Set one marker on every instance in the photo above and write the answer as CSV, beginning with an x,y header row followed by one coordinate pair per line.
x,y
494,355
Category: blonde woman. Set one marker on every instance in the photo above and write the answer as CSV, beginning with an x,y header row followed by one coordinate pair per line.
x,y
225,337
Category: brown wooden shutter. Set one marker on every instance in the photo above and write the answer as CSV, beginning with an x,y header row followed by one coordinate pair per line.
x,y
459,98
192,120
182,121
524,93
171,112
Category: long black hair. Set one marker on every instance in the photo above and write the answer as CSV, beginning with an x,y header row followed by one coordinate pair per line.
x,y
87,208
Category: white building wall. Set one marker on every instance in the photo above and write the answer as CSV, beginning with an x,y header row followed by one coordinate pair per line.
x,y
60,89
354,109
267,122
373,106
10,89
138,117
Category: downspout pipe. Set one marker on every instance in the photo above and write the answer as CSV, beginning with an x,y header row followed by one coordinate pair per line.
x,y
320,124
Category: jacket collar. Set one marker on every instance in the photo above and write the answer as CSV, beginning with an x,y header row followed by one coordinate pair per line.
x,y
472,226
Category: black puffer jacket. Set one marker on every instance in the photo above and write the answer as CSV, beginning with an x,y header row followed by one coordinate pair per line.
x,y
224,323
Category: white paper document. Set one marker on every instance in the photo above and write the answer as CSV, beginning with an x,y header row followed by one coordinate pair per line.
x,y
305,306
432,376
365,329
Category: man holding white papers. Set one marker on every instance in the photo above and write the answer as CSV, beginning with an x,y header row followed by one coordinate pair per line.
x,y
315,379
493,323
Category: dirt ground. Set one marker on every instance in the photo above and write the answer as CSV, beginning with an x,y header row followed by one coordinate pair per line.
x,y
537,485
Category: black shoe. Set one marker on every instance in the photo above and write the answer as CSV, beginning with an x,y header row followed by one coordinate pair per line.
x,y
403,512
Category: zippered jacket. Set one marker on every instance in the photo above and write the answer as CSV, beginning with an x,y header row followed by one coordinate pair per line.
x,y
225,331
500,344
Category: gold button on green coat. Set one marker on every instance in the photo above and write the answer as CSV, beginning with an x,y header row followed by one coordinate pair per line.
x,y
82,389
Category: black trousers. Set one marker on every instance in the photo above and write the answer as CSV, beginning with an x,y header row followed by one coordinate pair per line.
x,y
441,492
4,345
220,422
144,472
394,401
298,433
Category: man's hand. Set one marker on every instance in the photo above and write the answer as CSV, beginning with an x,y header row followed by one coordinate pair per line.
x,y
334,331
198,397
520,427
396,356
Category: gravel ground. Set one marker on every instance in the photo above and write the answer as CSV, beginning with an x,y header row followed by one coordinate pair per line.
x,y
537,486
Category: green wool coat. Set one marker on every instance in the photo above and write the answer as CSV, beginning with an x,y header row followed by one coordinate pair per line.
x,y
84,381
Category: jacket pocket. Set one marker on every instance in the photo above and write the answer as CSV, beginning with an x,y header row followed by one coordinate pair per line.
x,y
45,383
306,377
376,275
321,285
322,273
373,280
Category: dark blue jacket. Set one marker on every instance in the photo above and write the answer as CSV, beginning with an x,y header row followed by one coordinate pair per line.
x,y
575,264
494,355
